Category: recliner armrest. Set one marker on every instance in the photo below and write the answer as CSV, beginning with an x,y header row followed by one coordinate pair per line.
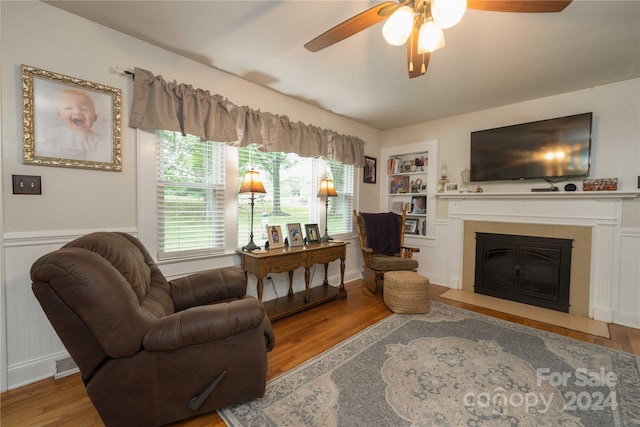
x,y
204,324
207,287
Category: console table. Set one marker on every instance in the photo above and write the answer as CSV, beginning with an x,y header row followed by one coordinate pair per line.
x,y
262,263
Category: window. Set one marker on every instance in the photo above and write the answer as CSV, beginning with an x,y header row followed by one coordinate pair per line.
x,y
341,207
291,183
190,196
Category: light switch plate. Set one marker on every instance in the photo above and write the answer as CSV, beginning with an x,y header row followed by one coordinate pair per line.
x,y
26,184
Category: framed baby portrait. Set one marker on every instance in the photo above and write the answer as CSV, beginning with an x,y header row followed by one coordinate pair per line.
x,y
69,122
276,240
294,231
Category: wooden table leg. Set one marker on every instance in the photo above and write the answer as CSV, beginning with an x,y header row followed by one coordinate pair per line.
x,y
307,285
342,289
290,294
260,287
326,274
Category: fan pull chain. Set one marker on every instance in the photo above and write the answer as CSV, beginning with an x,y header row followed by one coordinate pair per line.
x,y
423,69
411,52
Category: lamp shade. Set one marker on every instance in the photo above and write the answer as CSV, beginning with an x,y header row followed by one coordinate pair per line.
x,y
327,189
252,183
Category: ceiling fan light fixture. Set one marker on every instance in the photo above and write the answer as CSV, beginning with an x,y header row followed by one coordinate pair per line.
x,y
398,27
447,13
430,38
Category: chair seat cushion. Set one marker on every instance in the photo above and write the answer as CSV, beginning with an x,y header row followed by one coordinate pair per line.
x,y
387,263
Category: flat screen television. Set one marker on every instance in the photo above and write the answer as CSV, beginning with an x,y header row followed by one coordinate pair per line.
x,y
553,149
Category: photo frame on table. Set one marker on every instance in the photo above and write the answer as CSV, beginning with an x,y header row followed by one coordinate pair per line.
x,y
276,239
451,187
294,232
370,170
69,122
410,225
313,233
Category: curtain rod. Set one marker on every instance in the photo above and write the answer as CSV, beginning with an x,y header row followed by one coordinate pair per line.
x,y
124,72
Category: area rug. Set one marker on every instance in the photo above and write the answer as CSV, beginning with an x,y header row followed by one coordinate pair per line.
x,y
452,367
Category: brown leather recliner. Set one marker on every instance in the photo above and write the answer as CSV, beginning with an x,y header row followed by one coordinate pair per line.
x,y
150,351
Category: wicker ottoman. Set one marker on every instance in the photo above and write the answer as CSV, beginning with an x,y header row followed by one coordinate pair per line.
x,y
406,292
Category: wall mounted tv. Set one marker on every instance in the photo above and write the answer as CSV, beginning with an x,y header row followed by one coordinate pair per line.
x,y
553,149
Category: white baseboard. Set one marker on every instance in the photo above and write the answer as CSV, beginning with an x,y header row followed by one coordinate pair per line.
x,y
626,318
28,372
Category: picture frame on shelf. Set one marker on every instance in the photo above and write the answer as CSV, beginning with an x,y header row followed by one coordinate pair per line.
x,y
451,187
276,239
397,207
370,170
294,232
410,225
421,162
87,140
313,233
418,205
399,184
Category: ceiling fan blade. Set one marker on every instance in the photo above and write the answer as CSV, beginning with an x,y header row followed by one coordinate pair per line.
x,y
524,6
352,26
416,62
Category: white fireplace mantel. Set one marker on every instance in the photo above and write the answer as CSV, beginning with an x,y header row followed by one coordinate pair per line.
x,y
600,210
551,195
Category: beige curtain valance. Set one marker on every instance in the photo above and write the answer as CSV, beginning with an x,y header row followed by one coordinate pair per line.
x,y
179,107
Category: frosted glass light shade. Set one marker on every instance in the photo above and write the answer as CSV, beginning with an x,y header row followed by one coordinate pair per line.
x,y
431,37
398,27
447,13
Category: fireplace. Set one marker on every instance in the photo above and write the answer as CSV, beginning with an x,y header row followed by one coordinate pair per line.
x,y
527,269
591,218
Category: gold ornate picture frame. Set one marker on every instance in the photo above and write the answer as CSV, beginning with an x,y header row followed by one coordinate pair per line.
x,y
69,122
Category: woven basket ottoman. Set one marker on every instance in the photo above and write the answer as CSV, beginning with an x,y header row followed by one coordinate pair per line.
x,y
406,292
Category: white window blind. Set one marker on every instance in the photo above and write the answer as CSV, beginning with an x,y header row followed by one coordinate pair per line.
x,y
291,183
341,207
190,196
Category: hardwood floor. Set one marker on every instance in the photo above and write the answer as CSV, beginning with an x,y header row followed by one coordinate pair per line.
x,y
300,337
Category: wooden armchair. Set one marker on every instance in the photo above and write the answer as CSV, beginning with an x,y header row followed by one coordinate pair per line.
x,y
381,237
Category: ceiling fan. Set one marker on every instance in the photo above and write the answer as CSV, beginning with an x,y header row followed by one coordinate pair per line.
x,y
419,23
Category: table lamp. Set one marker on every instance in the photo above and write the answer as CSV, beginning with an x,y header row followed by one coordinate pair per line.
x,y
251,184
327,190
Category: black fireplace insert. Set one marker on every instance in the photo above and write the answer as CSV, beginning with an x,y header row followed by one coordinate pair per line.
x,y
526,269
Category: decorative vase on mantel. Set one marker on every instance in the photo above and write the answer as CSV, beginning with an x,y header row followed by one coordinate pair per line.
x,y
444,176
465,176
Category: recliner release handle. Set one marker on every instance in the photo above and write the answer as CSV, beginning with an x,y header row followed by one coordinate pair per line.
x,y
196,402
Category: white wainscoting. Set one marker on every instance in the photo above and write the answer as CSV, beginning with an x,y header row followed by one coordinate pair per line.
x,y
33,346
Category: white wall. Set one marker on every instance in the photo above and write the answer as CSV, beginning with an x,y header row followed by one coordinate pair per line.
x,y
615,153
616,136
76,201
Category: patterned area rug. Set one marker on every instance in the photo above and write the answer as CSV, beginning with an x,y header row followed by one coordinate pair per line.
x,y
452,367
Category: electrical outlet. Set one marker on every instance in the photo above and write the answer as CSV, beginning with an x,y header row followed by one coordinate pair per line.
x,y
26,184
